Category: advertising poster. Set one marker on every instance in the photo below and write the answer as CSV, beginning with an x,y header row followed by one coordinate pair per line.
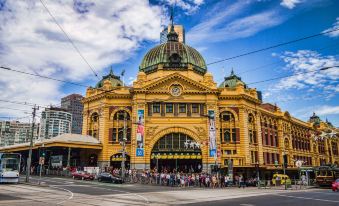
x,y
140,134
212,133
56,161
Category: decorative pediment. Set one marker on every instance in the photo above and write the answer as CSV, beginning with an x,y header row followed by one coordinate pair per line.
x,y
188,85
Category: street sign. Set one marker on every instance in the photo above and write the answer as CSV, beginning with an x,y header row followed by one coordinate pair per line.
x,y
42,160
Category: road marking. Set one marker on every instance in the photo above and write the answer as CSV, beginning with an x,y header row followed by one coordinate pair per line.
x,y
246,205
71,196
307,198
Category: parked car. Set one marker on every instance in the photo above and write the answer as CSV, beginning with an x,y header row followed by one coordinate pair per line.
x,y
107,177
82,175
335,185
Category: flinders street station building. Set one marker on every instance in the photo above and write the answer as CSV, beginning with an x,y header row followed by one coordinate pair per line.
x,y
176,116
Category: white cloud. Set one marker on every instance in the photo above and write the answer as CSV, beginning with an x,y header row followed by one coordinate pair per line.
x,y
290,4
106,32
302,63
189,6
335,26
321,110
327,110
222,25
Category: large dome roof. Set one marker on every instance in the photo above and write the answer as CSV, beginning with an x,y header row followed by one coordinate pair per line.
x,y
173,55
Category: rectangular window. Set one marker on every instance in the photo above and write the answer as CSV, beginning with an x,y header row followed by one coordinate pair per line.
x,y
227,135
195,108
169,108
234,135
156,108
250,136
276,140
114,135
234,151
228,152
182,108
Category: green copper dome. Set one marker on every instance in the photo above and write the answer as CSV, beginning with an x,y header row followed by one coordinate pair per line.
x,y
231,81
115,80
173,55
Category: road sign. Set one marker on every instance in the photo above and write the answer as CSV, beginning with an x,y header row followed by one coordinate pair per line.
x,y
42,160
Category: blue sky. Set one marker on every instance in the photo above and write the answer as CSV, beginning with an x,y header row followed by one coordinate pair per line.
x,y
119,33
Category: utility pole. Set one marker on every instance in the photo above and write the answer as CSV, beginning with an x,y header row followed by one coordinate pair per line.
x,y
28,168
124,146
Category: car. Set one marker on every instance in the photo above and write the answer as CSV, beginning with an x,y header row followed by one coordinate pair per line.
x,y
335,185
280,177
107,177
82,175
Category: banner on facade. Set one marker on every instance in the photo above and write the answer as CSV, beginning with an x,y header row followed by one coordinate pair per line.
x,y
212,133
140,134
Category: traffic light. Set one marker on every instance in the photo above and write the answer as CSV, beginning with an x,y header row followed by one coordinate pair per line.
x,y
285,161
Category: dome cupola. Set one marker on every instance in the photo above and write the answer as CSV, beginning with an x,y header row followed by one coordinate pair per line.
x,y
173,55
232,81
114,80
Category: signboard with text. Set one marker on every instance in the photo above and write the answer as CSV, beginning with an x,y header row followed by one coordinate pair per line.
x,y
140,134
212,133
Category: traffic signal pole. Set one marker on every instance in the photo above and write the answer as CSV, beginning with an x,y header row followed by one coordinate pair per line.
x,y
29,160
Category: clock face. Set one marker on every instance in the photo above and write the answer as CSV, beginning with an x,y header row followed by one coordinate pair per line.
x,y
176,91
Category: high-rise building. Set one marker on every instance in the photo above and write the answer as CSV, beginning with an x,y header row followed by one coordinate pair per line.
x,y
72,103
179,29
14,132
54,122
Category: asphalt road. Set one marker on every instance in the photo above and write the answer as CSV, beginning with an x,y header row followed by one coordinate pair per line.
x,y
66,191
306,198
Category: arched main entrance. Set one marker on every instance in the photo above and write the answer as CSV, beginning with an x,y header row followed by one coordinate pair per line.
x,y
116,161
176,151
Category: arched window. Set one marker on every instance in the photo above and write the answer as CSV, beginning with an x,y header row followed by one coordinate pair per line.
x,y
252,132
93,129
228,131
116,131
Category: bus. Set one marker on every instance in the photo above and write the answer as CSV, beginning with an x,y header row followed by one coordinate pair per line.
x,y
325,175
9,167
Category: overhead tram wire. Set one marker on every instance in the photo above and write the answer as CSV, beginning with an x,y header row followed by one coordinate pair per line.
x,y
274,46
46,77
277,62
21,103
291,75
69,39
14,109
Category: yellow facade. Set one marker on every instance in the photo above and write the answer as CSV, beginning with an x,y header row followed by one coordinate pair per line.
x,y
248,132
241,102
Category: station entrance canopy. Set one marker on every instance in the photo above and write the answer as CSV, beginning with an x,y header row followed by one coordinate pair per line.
x,y
64,140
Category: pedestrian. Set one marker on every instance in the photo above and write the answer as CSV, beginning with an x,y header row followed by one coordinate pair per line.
x,y
241,182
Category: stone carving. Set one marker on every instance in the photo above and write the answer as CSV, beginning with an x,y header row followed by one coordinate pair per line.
x,y
200,131
151,131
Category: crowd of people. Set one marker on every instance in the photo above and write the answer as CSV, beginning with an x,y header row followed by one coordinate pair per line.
x,y
175,178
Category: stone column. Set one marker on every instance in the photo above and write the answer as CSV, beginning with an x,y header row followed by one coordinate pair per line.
x,y
244,141
259,139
